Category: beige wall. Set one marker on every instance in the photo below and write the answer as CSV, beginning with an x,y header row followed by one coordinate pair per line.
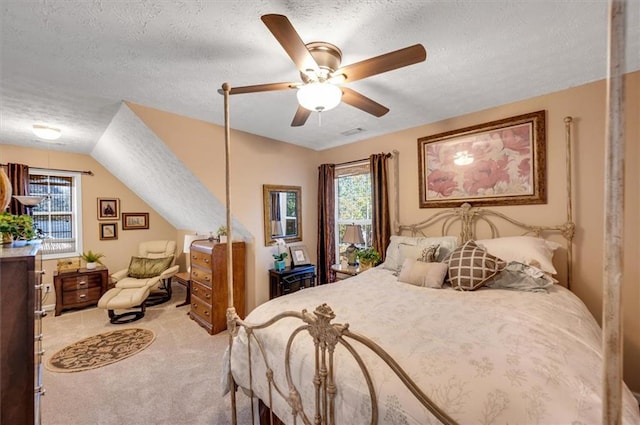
x,y
101,185
255,161
586,104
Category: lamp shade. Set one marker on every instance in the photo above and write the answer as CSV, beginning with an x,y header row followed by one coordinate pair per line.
x,y
319,96
353,234
187,241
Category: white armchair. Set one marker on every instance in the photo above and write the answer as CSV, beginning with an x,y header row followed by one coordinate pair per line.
x,y
142,273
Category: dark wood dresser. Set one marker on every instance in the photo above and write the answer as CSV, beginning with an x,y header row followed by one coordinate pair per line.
x,y
209,283
291,279
20,334
78,289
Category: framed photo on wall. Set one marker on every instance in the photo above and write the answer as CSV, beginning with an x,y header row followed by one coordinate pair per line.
x,y
108,231
299,255
497,163
108,208
132,221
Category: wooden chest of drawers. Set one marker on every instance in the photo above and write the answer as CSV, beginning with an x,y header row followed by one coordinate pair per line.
x,y
79,289
209,283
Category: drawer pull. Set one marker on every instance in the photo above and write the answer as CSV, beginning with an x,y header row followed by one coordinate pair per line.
x,y
194,257
194,305
208,296
206,313
195,274
195,290
206,260
208,279
82,296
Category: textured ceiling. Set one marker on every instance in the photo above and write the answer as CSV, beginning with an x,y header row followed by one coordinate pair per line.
x,y
71,63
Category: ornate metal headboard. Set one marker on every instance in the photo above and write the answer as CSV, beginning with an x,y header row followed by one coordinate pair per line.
x,y
468,217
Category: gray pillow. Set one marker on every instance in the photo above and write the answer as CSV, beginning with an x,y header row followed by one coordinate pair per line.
x,y
520,277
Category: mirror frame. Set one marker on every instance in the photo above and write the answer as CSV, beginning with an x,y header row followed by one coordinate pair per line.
x,y
266,208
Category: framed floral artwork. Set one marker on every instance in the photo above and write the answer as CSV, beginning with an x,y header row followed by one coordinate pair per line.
x,y
498,163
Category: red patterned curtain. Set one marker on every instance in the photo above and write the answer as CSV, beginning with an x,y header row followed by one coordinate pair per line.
x,y
326,222
380,220
19,177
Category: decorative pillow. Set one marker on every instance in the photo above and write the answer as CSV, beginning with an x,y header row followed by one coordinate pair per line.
x,y
520,277
529,250
145,268
419,273
430,254
470,266
393,260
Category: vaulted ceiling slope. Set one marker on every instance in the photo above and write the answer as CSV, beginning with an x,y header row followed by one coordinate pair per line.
x,y
142,161
71,63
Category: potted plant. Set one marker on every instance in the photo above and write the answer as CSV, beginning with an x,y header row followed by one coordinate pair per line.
x,y
92,258
279,263
368,258
7,227
24,230
222,234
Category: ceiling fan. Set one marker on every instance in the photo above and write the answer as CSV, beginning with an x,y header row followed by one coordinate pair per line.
x,y
322,76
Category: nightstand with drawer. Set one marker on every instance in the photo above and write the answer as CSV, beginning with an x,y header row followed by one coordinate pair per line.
x,y
79,289
291,279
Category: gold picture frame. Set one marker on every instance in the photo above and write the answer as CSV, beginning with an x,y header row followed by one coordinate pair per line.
x,y
497,163
299,255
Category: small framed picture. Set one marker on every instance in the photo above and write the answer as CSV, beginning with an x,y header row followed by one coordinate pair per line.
x,y
108,208
108,231
299,255
133,221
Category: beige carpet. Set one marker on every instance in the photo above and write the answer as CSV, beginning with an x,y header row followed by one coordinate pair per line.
x,y
175,381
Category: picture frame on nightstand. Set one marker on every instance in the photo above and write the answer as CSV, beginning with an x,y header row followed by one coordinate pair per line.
x,y
299,256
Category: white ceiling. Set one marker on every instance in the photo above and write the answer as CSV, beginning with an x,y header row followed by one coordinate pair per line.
x,y
71,63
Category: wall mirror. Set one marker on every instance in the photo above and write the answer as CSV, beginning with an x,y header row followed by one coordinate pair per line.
x,y
282,213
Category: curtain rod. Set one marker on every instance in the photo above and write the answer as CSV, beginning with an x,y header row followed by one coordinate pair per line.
x,y
389,155
90,173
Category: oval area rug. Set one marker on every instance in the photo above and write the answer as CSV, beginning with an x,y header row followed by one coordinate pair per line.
x,y
100,350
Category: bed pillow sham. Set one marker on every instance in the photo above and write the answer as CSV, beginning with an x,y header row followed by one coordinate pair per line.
x,y
470,266
520,277
412,247
529,250
420,273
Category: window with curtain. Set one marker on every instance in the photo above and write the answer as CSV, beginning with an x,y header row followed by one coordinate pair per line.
x,y
58,218
353,202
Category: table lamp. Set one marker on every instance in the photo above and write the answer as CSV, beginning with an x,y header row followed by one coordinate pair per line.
x,y
352,235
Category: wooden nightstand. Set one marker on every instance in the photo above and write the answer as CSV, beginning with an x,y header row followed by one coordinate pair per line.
x,y
291,279
79,289
345,272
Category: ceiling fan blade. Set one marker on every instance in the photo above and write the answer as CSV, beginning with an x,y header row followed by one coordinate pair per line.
x,y
300,117
287,36
383,63
362,102
261,87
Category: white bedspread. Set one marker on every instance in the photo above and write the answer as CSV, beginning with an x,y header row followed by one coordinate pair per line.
x,y
485,357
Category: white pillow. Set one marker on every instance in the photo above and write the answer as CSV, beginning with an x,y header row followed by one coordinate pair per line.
x,y
419,273
529,250
393,260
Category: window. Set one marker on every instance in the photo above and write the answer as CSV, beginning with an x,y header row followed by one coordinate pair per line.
x,y
58,218
353,202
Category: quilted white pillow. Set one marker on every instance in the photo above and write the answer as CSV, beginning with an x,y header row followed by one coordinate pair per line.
x,y
412,248
419,273
528,250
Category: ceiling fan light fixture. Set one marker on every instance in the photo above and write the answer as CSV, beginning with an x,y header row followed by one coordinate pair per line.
x,y
319,96
46,132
